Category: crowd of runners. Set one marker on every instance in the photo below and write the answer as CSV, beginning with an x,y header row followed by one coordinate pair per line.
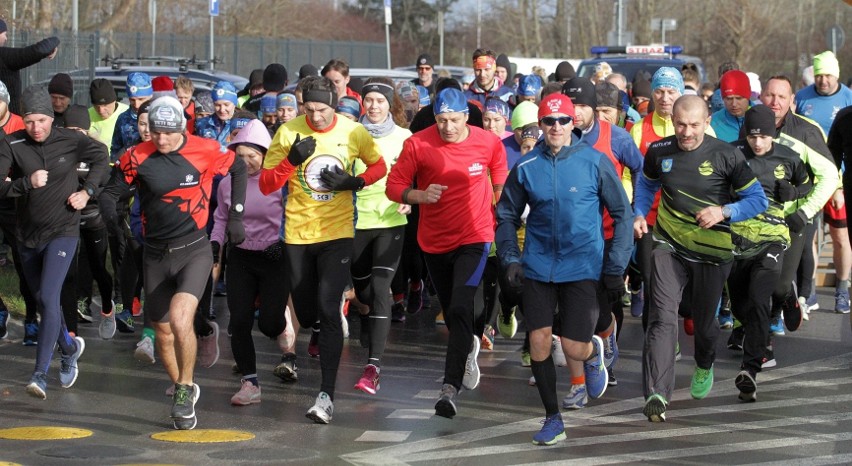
x,y
555,200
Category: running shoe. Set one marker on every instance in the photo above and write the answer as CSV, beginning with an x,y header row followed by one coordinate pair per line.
x,y
776,326
84,314
398,312
612,380
68,370
803,305
145,350
208,347
790,310
106,329
38,385
471,367
369,382
30,333
702,382
841,301
735,341
322,409
446,405
488,338
611,347
507,322
123,319
313,344
439,319
136,310
287,370
4,319
726,321
637,303
557,353
551,432
813,302
677,351
415,299
747,386
595,370
525,358
221,289
768,358
688,326
183,401
531,381
576,398
249,394
655,408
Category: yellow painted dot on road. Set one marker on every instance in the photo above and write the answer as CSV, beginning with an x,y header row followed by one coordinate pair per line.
x,y
203,436
43,433
6,463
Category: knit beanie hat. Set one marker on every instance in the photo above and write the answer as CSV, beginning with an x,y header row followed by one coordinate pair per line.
x,y
498,106
308,70
285,99
77,116
450,100
139,85
425,99
424,60
641,87
166,115
556,103
759,121
607,95
268,104
529,85
524,114
163,86
565,71
349,106
826,63
102,92
36,100
667,77
61,84
735,82
581,91
503,60
224,90
531,131
274,77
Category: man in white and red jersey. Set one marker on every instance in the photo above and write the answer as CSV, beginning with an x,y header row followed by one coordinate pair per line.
x,y
461,169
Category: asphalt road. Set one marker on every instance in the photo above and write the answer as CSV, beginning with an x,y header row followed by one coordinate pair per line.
x,y
803,414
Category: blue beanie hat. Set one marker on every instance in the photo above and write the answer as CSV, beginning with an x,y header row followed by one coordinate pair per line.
x,y
450,100
139,85
349,106
498,106
529,85
223,90
424,95
285,99
667,77
268,104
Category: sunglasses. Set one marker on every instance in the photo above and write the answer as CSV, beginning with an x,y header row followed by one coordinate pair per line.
x,y
550,121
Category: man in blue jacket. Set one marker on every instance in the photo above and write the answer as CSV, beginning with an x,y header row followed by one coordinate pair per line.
x,y
566,184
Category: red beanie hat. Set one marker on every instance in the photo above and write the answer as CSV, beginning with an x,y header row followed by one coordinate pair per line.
x,y
735,82
556,103
163,85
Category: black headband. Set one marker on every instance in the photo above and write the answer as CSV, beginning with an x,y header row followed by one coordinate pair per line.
x,y
321,96
381,88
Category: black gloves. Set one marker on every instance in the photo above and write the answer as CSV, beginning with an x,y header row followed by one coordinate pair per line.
x,y
236,230
614,287
216,247
785,191
515,275
796,221
301,149
338,180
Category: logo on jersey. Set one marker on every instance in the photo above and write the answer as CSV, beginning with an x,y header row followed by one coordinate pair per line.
x,y
780,172
475,169
706,168
189,180
312,182
667,165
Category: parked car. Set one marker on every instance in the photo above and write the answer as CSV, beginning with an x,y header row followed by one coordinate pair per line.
x,y
646,59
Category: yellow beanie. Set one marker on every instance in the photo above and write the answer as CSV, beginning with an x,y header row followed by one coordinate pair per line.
x,y
826,63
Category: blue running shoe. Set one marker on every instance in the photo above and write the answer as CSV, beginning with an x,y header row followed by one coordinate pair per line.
x,y
576,398
551,432
31,333
4,318
595,370
726,320
38,385
812,302
637,302
841,301
776,326
611,347
68,370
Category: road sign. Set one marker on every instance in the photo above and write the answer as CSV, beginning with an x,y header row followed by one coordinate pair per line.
x,y
835,38
388,19
214,7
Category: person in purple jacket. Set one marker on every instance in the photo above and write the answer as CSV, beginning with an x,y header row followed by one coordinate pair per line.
x,y
255,266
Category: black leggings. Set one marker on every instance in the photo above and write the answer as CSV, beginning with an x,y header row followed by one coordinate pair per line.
x,y
411,268
457,275
131,274
7,224
252,275
487,299
318,274
374,265
93,244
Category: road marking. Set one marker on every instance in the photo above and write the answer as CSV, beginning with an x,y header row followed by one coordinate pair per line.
x,y
411,414
384,436
44,433
426,395
203,436
452,447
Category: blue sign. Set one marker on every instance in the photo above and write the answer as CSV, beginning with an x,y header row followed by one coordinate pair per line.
x,y
214,7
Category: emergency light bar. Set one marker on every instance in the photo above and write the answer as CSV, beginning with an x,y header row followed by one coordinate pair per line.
x,y
638,49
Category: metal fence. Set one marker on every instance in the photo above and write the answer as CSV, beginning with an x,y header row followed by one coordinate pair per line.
x,y
237,55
